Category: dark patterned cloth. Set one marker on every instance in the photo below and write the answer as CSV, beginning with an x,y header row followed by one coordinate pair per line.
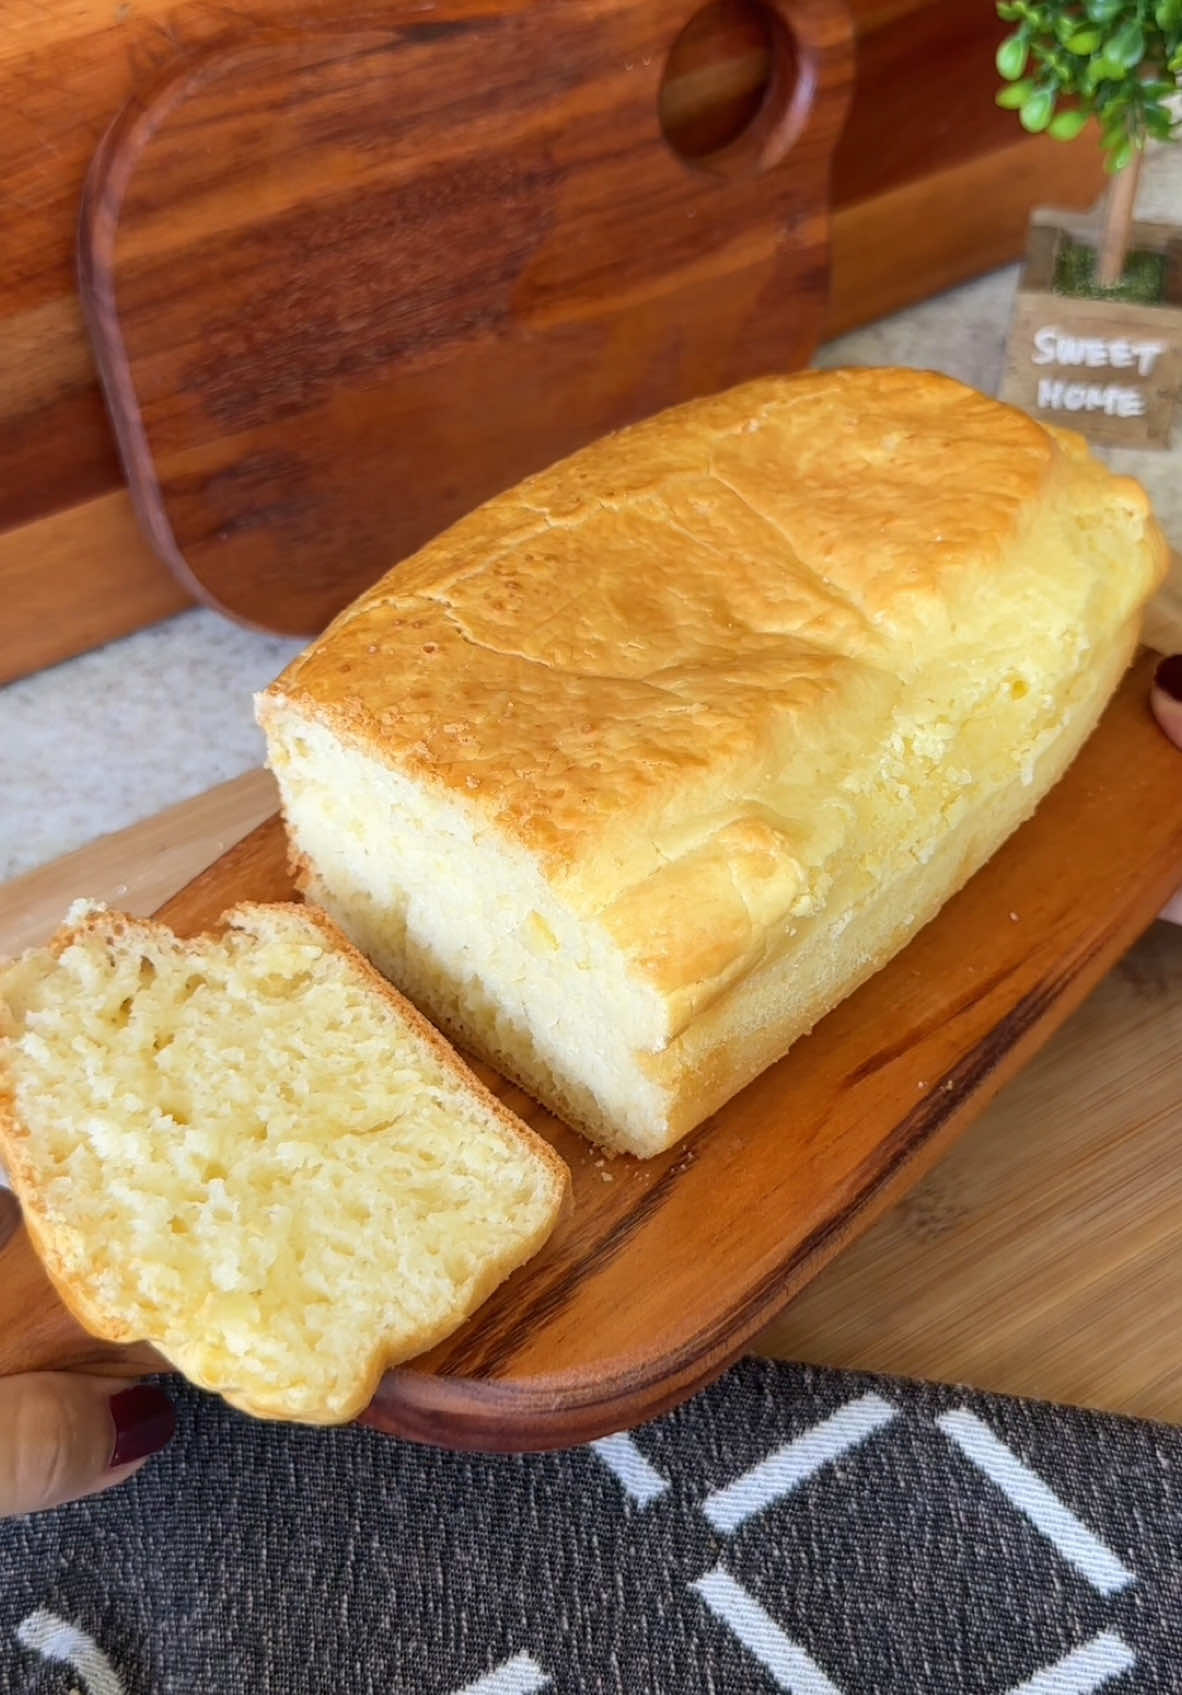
x,y
789,1529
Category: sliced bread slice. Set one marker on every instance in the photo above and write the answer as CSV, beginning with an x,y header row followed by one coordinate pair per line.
x,y
252,1152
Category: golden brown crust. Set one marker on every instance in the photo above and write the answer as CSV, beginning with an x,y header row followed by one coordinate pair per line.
x,y
533,660
744,1035
719,684
647,668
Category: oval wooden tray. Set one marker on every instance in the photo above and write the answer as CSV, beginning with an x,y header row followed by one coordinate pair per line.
x,y
664,1271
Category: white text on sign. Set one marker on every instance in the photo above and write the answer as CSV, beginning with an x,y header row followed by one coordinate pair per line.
x,y
1052,347
1109,398
1116,400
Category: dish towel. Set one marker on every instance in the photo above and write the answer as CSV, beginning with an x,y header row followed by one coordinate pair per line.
x,y
789,1529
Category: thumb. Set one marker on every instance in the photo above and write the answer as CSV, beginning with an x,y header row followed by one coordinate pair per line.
x,y
1166,698
63,1435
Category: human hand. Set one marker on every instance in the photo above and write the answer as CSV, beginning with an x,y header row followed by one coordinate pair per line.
x,y
1166,700
64,1434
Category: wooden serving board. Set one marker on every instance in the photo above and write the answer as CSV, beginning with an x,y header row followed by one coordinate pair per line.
x,y
664,1271
421,262
1043,1256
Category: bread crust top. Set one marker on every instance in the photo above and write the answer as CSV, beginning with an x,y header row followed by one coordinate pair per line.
x,y
645,666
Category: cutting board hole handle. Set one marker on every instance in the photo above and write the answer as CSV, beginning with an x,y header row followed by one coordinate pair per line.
x,y
737,87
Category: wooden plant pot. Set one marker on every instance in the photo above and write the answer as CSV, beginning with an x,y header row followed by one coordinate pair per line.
x,y
1107,368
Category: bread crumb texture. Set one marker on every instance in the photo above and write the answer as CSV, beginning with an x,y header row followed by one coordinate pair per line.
x,y
247,1150
634,772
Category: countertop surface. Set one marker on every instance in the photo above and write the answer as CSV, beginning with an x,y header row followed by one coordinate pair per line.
x,y
109,738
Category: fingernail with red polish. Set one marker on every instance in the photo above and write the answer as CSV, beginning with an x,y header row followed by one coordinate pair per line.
x,y
1168,676
144,1421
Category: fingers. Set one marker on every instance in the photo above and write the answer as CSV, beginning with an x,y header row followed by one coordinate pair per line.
x,y
63,1435
1166,697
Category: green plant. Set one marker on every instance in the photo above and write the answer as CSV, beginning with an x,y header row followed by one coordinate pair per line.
x,y
1117,61
1143,282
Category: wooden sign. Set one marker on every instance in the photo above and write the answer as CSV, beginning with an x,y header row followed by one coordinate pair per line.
x,y
1110,369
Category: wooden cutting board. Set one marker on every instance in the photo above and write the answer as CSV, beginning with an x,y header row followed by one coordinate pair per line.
x,y
1042,1256
343,288
926,194
665,1270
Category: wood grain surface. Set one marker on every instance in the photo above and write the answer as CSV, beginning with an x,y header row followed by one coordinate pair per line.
x,y
1043,1256
68,66
422,263
937,221
73,579
666,1270
139,868
74,572
76,579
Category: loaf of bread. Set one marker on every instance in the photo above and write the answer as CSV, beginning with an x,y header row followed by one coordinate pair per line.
x,y
631,775
248,1150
